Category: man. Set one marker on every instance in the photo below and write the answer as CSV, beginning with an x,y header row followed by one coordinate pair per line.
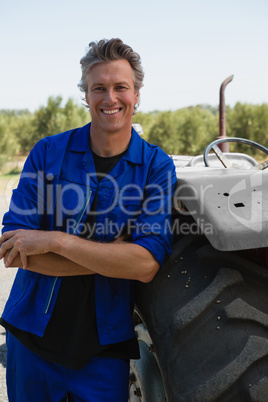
x,y
89,217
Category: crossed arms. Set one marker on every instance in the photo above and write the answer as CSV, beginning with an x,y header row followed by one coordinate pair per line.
x,y
61,254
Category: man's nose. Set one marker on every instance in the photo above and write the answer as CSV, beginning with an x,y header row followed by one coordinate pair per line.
x,y
110,96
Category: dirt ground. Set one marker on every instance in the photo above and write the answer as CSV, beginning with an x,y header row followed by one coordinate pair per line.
x,y
6,280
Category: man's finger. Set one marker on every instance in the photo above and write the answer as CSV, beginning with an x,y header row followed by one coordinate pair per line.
x,y
13,253
24,260
8,235
4,247
5,236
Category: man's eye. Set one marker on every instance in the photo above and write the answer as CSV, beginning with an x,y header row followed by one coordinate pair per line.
x,y
120,87
98,89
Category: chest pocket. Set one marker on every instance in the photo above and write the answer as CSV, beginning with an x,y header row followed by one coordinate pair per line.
x,y
72,201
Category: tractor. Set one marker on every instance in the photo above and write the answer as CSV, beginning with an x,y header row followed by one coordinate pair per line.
x,y
202,323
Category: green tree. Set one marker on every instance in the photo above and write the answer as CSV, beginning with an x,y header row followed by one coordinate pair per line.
x,y
185,131
163,132
146,120
8,143
250,122
49,120
198,129
74,115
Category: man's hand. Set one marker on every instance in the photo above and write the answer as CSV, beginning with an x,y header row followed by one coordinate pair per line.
x,y
24,243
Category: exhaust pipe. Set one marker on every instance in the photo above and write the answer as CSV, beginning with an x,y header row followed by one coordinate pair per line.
x,y
222,115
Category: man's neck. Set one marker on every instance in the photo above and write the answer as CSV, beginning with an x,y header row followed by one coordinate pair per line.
x,y
109,144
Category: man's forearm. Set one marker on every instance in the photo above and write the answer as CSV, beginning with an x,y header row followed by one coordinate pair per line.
x,y
116,260
52,264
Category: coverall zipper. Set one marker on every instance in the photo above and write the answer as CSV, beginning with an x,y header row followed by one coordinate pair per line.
x,y
53,284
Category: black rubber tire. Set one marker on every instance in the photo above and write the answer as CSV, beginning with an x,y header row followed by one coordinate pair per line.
x,y
206,312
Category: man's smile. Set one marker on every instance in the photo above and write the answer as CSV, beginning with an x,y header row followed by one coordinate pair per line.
x,y
113,111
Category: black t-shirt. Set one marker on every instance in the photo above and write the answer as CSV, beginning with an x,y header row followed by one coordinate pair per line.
x,y
71,336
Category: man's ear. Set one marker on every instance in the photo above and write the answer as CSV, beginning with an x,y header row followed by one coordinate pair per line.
x,y
137,97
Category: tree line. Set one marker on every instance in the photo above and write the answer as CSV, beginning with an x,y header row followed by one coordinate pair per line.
x,y
185,131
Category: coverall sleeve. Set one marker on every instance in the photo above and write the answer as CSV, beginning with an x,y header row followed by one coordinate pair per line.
x,y
152,228
27,206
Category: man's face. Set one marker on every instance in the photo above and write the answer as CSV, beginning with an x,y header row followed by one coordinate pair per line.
x,y
111,96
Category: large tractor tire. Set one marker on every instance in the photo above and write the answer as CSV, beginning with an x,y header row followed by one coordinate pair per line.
x,y
207,315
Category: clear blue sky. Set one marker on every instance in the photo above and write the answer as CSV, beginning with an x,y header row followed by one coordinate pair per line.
x,y
187,49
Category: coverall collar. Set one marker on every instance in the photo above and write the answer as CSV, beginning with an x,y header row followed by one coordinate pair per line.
x,y
80,143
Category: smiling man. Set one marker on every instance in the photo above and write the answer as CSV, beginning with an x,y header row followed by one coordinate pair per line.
x,y
88,219
111,97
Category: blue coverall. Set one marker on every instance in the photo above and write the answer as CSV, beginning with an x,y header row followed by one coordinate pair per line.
x,y
55,192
